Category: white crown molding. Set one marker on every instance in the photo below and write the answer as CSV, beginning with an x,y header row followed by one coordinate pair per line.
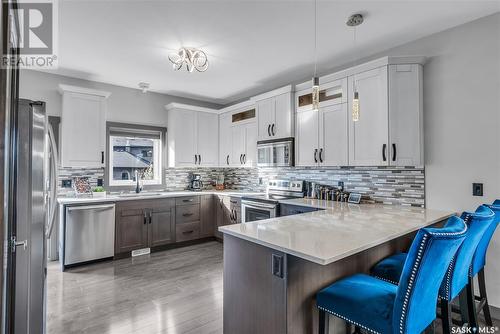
x,y
182,106
82,90
276,92
383,61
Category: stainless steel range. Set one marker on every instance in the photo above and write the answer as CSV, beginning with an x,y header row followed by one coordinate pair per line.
x,y
267,206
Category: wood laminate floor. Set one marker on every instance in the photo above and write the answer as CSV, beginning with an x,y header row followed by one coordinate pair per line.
x,y
174,291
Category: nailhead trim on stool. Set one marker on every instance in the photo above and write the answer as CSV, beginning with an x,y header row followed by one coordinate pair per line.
x,y
349,320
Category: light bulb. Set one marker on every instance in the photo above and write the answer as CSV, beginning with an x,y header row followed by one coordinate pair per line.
x,y
315,93
355,107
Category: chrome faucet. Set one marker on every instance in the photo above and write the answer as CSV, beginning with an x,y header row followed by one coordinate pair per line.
x,y
138,187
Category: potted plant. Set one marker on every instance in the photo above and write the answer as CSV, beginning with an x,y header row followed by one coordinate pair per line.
x,y
98,192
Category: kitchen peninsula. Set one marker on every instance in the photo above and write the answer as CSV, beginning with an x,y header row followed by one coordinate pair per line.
x,y
276,266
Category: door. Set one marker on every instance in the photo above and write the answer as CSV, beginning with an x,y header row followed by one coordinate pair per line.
x,y
161,223
307,138
368,137
185,137
225,142
283,123
333,137
207,143
405,115
207,217
27,284
250,153
82,130
266,118
131,227
238,135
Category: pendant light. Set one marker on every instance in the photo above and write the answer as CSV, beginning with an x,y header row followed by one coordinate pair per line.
x,y
315,80
354,21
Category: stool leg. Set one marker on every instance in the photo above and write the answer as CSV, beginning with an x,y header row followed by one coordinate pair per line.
x,y
464,307
471,303
357,330
323,322
446,316
482,294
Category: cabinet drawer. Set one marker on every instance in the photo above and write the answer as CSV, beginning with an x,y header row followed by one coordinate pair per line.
x,y
187,231
187,213
187,200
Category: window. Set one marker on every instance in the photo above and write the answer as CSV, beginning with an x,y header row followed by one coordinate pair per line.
x,y
135,150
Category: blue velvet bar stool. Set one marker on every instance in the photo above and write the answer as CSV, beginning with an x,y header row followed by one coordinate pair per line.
x,y
477,269
381,307
456,277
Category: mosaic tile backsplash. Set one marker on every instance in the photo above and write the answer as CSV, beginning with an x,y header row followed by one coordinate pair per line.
x,y
389,185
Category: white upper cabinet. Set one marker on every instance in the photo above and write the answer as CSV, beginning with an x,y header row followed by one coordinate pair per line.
x,y
368,136
322,136
83,127
333,135
275,114
225,142
192,136
405,115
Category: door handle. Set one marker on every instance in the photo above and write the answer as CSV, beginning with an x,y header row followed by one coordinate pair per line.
x,y
244,158
187,214
102,157
16,244
320,155
315,155
393,152
235,216
227,160
199,159
145,218
272,130
269,130
384,149
150,217
241,158
195,159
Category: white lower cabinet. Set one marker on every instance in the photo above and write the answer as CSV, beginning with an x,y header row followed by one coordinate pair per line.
x,y
322,136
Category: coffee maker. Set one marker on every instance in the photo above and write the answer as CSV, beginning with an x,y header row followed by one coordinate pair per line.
x,y
195,183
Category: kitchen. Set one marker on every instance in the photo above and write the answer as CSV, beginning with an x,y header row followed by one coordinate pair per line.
x,y
229,197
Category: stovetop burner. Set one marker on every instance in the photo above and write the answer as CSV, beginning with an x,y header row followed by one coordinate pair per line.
x,y
278,190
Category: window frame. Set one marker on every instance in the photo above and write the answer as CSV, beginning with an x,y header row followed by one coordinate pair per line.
x,y
119,185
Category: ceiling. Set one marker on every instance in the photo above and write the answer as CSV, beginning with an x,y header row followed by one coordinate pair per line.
x,y
253,46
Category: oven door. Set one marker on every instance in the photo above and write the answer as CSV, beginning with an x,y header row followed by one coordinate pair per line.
x,y
275,153
252,211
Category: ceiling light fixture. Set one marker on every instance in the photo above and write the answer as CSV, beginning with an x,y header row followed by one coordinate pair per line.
x,y
354,21
193,58
315,80
144,86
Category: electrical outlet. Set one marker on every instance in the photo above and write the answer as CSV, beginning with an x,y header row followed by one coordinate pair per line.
x,y
66,183
99,182
477,189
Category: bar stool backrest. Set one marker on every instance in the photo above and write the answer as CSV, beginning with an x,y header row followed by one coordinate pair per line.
x,y
457,275
479,260
428,259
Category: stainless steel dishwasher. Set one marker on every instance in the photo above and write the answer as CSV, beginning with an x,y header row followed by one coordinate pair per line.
x,y
89,234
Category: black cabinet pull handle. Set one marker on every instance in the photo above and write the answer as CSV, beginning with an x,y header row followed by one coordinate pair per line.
x,y
150,218
244,158
187,214
145,218
269,130
316,155
241,158
272,130
235,216
187,200
384,148
195,159
102,157
199,159
227,160
320,155
393,152
187,232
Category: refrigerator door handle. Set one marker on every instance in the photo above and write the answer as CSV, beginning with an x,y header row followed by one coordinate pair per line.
x,y
53,180
14,244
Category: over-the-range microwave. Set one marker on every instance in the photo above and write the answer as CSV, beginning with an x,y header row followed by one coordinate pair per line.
x,y
275,152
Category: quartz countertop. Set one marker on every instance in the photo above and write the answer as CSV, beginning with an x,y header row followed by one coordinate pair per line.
x,y
337,231
150,195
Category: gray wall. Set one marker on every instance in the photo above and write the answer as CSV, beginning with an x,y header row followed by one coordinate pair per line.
x,y
462,121
125,105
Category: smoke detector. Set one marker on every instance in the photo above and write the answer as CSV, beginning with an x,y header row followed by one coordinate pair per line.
x,y
144,86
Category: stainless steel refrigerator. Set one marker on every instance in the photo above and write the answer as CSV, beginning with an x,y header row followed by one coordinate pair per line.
x,y
31,201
